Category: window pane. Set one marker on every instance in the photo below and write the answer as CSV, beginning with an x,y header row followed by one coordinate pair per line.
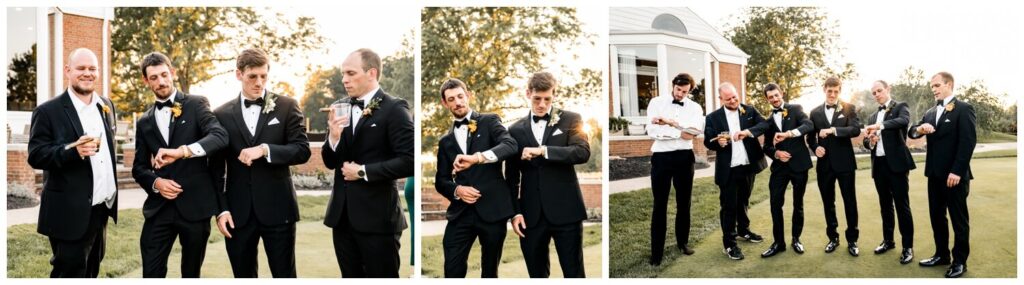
x,y
21,59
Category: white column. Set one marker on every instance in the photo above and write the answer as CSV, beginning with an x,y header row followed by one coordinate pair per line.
x,y
42,56
58,51
664,83
613,59
108,13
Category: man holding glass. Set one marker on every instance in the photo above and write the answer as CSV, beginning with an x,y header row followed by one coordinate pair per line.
x,y
267,134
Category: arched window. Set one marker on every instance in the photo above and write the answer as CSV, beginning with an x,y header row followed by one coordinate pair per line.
x,y
668,22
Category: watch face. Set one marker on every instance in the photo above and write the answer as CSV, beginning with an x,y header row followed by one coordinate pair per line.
x,y
362,173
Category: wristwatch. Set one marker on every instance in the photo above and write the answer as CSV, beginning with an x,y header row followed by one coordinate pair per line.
x,y
362,174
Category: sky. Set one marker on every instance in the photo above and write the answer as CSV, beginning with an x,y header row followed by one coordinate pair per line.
x,y
973,42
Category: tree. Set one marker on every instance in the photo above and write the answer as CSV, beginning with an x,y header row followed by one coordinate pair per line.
x,y
198,39
488,48
398,73
790,46
21,81
992,116
323,88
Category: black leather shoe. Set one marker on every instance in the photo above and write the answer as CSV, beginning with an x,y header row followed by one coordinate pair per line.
x,y
733,253
686,249
956,270
934,260
776,248
907,255
798,247
885,246
853,249
751,237
831,246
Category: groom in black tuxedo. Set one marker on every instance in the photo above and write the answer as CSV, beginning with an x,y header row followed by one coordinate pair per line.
x,y
266,134
550,143
368,154
172,140
950,130
72,142
469,175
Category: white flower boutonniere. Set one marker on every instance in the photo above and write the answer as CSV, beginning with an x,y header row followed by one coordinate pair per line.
x,y
370,107
271,101
554,117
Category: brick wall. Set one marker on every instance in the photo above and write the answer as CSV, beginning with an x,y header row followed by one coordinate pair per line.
x,y
638,146
434,205
84,32
732,73
18,170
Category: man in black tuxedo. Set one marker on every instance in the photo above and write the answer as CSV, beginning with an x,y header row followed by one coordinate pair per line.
x,y
835,123
171,141
732,131
950,131
369,149
72,142
891,164
550,143
791,160
469,175
266,134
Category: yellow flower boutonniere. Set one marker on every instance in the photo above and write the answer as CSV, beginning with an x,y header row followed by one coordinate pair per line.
x,y
742,110
176,110
370,107
472,126
949,107
106,110
554,117
785,113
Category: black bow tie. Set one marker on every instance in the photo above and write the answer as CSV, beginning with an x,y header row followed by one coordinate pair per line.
x,y
258,101
881,108
160,105
546,117
776,110
460,123
830,106
938,103
680,102
357,103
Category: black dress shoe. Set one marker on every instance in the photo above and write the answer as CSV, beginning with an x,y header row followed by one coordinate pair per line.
x,y
733,253
751,237
776,248
853,249
831,246
798,247
956,270
935,260
885,246
686,249
907,255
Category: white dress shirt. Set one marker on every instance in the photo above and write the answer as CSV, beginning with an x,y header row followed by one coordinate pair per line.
x,y
357,113
940,109
777,117
879,150
162,116
538,128
251,116
462,139
830,112
103,181
739,151
668,138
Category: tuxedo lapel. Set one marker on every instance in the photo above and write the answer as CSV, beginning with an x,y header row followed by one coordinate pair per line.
x,y
945,114
240,121
179,99
835,114
263,118
470,133
365,118
69,110
550,127
149,118
527,128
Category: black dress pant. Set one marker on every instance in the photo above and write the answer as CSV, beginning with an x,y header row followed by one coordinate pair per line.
x,y
777,184
954,200
894,201
827,185
158,235
458,239
278,242
365,255
81,258
734,199
568,243
668,168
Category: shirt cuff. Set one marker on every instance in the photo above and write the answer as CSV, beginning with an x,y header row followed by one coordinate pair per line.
x,y
881,127
489,157
223,213
334,144
197,150
455,193
266,148
796,133
154,187
544,148
366,176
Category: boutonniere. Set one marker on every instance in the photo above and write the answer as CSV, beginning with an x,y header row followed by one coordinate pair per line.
x,y
176,110
370,107
472,126
743,111
270,101
106,110
785,113
554,117
839,107
949,107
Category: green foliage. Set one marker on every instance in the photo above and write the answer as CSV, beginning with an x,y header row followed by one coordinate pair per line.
x,y
790,46
617,124
21,81
323,87
992,116
398,73
198,39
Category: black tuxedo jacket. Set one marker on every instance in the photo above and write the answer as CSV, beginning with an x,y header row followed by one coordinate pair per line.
x,y
383,143
66,201
951,146
839,146
716,123
265,188
549,186
794,118
496,200
196,124
894,138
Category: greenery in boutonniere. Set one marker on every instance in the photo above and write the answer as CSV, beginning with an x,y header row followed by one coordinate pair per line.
x,y
271,101
370,107
554,117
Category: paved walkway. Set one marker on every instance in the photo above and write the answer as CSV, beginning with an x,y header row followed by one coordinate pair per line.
x,y
633,184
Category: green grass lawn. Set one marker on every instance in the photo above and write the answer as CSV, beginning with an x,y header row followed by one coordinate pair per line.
x,y
512,265
995,137
630,235
28,252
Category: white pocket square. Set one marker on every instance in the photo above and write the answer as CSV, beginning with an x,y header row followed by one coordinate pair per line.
x,y
182,122
273,122
947,121
557,132
373,126
841,116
